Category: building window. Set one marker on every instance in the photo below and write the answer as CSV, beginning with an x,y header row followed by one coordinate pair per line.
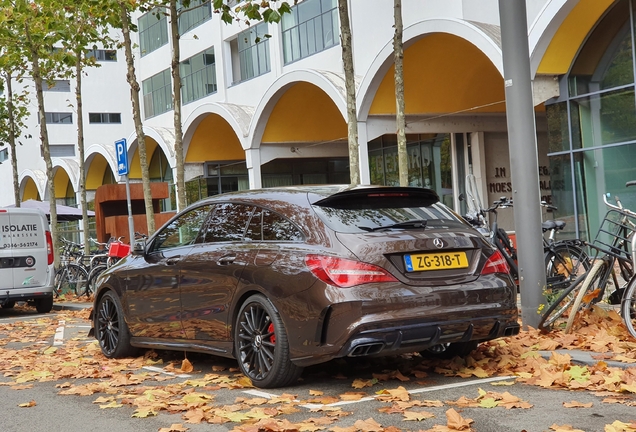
x,y
4,155
200,12
102,54
52,118
57,86
253,50
62,150
592,125
157,94
198,76
311,27
153,31
104,118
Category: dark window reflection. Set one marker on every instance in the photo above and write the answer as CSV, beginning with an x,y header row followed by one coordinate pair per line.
x,y
277,228
183,230
228,223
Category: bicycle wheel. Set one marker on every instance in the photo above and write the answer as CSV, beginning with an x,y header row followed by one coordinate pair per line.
x,y
628,307
73,278
92,279
556,309
563,264
596,278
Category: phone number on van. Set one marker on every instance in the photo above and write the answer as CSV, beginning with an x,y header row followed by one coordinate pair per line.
x,y
20,245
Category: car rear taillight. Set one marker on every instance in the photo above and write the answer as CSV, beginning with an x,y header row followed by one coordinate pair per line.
x,y
496,264
346,273
49,248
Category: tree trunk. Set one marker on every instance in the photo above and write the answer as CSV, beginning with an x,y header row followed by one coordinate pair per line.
x,y
350,86
403,167
12,143
176,103
80,149
136,109
44,137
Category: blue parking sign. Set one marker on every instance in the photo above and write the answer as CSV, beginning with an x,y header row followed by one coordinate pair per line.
x,y
122,157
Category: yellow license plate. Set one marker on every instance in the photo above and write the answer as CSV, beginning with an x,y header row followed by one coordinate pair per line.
x,y
435,261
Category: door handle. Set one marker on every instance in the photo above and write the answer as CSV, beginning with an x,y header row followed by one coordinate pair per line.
x,y
226,260
173,260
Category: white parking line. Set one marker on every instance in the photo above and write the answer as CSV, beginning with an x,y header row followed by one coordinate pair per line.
x,y
58,339
158,369
263,394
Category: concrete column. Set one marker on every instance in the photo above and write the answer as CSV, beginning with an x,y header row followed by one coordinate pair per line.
x,y
363,153
523,157
253,162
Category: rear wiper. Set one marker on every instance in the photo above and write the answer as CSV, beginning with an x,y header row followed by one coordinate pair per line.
x,y
415,223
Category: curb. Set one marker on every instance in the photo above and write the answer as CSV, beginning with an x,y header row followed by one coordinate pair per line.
x,y
65,306
585,358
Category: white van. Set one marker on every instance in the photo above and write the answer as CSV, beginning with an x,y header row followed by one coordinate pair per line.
x,y
26,259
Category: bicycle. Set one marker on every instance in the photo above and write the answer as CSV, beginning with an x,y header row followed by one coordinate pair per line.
x,y
70,276
564,259
116,250
611,246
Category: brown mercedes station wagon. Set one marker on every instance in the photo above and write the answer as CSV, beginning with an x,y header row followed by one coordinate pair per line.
x,y
284,278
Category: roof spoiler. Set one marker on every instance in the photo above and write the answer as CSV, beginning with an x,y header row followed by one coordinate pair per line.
x,y
380,197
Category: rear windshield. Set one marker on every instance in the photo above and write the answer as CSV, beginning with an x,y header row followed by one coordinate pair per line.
x,y
362,220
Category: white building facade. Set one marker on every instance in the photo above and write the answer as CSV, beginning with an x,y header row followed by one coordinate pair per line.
x,y
265,105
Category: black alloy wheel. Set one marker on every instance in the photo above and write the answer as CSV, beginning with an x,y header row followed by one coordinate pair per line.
x,y
111,329
261,345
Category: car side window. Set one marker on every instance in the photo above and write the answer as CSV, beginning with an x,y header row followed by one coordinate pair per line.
x,y
228,223
184,230
277,228
253,232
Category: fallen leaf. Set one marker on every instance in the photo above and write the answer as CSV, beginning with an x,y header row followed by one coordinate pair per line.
x,y
186,366
27,404
575,404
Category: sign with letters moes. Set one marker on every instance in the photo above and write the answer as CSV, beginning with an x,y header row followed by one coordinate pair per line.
x,y
122,157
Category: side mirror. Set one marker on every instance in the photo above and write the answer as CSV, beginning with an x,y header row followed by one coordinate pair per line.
x,y
139,248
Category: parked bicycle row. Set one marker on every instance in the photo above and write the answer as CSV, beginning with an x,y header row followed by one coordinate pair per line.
x,y
78,271
579,274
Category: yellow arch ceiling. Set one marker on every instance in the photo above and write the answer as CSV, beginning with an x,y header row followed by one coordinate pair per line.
x,y
96,171
61,183
135,165
570,36
443,74
214,140
30,190
305,114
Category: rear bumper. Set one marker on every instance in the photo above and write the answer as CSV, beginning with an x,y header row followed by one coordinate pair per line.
x,y
25,294
415,337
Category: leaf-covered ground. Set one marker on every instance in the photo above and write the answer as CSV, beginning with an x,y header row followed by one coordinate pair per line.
x,y
77,367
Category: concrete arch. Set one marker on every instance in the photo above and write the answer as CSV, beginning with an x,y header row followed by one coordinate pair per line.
x,y
330,83
106,152
38,177
71,167
164,137
238,117
544,27
486,38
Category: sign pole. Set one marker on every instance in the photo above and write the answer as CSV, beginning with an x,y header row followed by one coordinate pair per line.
x,y
122,169
131,223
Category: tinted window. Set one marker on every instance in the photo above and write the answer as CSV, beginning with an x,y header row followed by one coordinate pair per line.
x,y
269,226
183,230
277,228
228,223
351,220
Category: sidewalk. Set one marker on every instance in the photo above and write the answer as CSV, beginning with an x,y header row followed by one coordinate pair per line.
x,y
73,306
586,358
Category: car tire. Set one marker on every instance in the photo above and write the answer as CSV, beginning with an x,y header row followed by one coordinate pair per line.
x,y
111,329
261,346
8,305
448,351
44,305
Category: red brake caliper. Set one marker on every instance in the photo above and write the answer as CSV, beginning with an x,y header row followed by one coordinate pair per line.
x,y
270,329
